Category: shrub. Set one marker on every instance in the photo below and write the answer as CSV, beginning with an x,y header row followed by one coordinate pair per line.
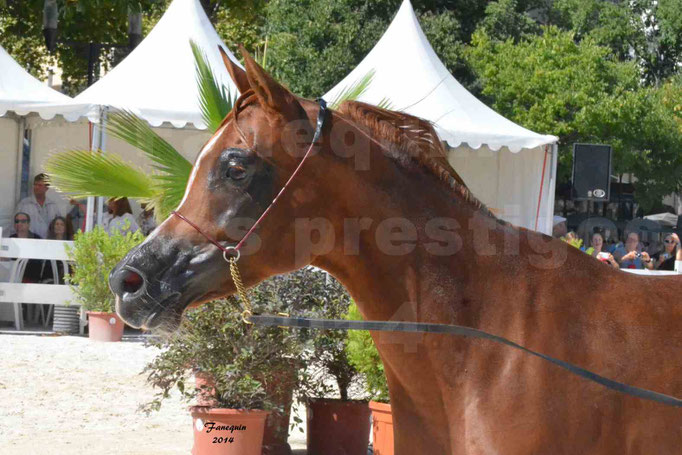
x,y
363,355
241,359
95,254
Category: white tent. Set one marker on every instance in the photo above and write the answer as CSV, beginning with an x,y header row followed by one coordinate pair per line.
x,y
511,169
23,94
157,81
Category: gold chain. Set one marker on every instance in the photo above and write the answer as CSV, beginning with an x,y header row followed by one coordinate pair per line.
x,y
237,278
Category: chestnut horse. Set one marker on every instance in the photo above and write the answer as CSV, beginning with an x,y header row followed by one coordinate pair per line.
x,y
378,207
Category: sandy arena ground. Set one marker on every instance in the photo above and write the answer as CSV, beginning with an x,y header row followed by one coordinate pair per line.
x,y
67,395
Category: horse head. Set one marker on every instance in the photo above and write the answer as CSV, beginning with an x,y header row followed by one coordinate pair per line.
x,y
234,179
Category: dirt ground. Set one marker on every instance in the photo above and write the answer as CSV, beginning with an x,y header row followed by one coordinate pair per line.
x,y
68,395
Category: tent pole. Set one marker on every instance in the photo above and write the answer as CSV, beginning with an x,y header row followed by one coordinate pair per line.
x,y
102,147
20,159
552,186
90,210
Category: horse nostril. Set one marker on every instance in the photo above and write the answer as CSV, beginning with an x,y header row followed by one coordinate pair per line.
x,y
132,281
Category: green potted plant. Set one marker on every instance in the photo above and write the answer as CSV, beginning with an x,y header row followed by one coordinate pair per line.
x,y
363,354
335,423
94,254
236,366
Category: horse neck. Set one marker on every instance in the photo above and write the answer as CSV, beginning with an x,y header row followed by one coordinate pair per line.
x,y
390,285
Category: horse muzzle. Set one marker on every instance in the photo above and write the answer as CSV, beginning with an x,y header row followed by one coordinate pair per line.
x,y
149,284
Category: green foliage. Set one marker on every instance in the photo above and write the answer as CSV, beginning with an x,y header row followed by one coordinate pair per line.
x,y
95,254
240,358
215,99
22,37
319,295
505,19
80,23
244,360
577,90
93,173
315,44
363,355
610,24
549,83
355,91
167,185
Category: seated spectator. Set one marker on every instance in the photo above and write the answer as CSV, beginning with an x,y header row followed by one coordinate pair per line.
x,y
22,230
665,260
122,218
146,220
59,229
596,250
631,256
22,227
39,206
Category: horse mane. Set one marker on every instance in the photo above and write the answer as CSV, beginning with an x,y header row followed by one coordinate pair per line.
x,y
410,139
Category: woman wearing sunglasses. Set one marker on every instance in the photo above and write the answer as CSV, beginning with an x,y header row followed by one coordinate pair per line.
x,y
666,258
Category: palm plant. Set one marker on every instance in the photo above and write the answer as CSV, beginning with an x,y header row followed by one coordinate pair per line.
x,y
355,90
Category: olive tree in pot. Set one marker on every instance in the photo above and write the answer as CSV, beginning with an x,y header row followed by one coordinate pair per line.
x,y
94,254
237,366
363,355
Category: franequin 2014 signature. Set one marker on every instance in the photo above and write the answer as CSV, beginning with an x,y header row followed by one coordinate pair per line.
x,y
212,426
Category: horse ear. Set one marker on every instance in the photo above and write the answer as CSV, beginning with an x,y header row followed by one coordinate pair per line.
x,y
273,97
237,74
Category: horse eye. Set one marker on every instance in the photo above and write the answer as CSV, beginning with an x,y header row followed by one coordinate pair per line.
x,y
236,172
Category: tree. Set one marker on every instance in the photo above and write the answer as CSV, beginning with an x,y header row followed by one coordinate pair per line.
x,y
506,19
615,25
646,31
97,21
315,44
21,35
578,91
235,21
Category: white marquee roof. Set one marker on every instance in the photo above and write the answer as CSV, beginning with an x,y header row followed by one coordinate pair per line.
x,y
409,74
157,81
22,93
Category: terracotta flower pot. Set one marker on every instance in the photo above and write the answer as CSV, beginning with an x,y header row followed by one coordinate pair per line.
x,y
104,326
337,427
227,431
280,390
382,428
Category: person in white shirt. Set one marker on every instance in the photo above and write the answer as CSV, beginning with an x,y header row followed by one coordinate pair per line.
x,y
122,218
39,206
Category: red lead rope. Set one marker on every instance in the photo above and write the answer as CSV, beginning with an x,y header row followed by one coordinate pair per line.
x,y
235,249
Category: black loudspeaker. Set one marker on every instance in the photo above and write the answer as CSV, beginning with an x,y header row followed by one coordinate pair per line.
x,y
591,172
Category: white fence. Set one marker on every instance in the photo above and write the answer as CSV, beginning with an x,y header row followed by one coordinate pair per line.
x,y
14,292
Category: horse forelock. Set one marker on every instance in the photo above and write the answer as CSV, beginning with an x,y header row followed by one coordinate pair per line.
x,y
410,139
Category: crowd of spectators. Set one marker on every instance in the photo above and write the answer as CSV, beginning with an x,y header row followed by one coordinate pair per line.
x,y
631,253
38,217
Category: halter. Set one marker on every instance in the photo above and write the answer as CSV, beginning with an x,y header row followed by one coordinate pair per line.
x,y
234,251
